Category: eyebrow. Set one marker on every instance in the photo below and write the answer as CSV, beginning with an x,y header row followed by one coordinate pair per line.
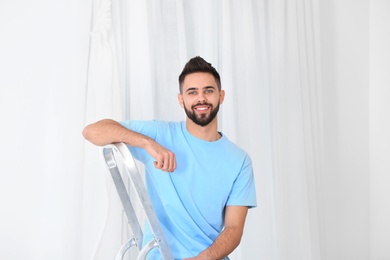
x,y
206,87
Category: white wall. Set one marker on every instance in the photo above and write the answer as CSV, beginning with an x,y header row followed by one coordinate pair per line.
x,y
344,203
379,129
43,57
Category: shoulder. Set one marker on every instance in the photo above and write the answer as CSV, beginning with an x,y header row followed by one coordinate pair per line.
x,y
167,126
151,128
234,148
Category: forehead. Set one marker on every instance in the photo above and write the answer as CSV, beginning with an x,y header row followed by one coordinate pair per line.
x,y
199,80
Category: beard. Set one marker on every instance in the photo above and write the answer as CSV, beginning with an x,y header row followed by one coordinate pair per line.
x,y
202,119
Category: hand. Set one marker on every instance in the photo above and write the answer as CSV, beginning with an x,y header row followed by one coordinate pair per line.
x,y
165,159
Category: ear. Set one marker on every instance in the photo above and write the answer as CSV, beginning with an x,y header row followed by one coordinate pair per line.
x,y
180,98
221,96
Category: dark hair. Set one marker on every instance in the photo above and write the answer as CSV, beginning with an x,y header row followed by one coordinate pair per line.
x,y
198,64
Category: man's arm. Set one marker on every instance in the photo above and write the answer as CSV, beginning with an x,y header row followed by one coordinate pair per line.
x,y
229,238
108,131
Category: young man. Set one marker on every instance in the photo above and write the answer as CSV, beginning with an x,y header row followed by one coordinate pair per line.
x,y
201,184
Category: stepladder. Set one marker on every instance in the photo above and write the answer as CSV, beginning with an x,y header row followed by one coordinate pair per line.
x,y
120,162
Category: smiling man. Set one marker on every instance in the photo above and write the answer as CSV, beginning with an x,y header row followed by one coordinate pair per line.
x,y
200,183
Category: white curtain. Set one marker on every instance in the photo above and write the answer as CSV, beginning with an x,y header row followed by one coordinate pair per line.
x,y
64,64
56,192
57,198
267,54
104,227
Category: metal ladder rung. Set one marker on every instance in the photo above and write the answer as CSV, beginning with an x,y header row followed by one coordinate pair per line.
x,y
111,153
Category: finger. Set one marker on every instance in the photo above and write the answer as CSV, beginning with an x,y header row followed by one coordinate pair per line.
x,y
158,164
166,165
166,162
162,164
172,163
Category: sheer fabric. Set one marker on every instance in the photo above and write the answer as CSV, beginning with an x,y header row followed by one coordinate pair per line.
x,y
267,55
102,218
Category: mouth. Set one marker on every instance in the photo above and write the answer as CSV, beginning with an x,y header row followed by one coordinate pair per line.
x,y
201,108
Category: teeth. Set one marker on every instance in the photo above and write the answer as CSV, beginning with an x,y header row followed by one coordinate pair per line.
x,y
201,108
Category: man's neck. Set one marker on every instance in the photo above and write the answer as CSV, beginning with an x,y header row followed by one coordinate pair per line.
x,y
208,133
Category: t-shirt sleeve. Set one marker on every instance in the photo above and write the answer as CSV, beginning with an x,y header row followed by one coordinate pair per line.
x,y
243,192
148,128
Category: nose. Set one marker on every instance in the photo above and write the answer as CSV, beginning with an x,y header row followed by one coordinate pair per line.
x,y
201,98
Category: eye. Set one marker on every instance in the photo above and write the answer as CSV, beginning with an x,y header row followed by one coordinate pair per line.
x,y
208,91
191,92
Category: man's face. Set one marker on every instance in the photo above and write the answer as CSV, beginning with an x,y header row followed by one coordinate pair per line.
x,y
200,97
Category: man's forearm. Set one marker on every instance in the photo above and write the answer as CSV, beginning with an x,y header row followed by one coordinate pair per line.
x,y
225,243
229,238
108,131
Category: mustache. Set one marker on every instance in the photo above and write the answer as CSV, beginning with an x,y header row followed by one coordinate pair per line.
x,y
202,104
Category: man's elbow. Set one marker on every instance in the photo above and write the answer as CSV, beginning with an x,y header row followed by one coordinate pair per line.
x,y
89,133
86,132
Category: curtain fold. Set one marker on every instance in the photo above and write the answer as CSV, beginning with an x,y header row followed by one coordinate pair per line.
x,y
267,55
57,200
296,120
102,220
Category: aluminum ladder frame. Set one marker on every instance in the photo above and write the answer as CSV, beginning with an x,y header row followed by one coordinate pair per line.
x,y
118,152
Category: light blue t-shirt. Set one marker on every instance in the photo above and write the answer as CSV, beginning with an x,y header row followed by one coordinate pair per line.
x,y
190,201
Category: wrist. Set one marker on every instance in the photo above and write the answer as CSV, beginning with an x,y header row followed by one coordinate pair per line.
x,y
145,141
